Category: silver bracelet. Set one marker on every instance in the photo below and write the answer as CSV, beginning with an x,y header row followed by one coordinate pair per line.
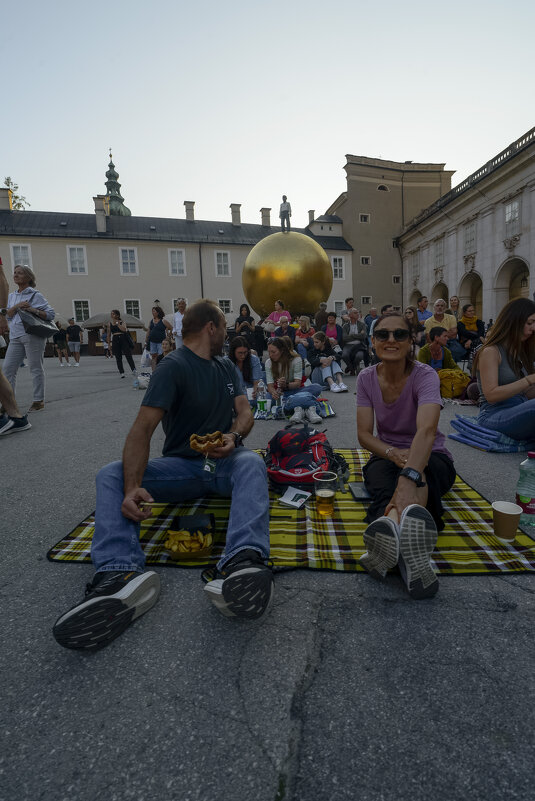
x,y
389,451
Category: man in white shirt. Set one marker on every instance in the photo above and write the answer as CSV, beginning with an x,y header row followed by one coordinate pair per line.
x,y
177,322
285,212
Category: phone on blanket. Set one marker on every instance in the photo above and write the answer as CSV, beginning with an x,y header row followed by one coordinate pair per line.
x,y
359,492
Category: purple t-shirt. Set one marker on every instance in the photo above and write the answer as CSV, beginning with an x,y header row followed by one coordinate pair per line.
x,y
396,422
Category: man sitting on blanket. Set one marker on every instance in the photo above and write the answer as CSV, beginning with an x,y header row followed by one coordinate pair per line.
x,y
193,391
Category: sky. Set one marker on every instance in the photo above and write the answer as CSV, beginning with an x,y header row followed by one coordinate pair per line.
x,y
242,102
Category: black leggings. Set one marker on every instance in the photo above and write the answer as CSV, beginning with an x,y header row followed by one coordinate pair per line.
x,y
381,478
121,348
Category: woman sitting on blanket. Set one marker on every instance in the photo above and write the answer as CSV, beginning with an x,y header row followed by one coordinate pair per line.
x,y
247,364
504,370
325,369
284,373
410,468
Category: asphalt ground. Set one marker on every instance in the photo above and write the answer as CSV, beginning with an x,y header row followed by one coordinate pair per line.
x,y
348,689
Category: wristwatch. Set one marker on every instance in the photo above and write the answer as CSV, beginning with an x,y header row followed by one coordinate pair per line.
x,y
413,475
238,439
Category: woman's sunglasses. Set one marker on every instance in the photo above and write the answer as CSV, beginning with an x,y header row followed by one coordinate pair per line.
x,y
399,334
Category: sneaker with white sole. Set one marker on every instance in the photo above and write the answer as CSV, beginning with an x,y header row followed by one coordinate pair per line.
x,y
343,387
335,388
417,539
10,425
243,587
312,416
381,541
112,601
298,415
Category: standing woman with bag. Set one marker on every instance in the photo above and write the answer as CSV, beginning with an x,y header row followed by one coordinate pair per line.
x,y
21,343
120,342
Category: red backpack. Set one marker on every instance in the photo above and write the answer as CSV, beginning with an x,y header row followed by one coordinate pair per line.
x,y
292,458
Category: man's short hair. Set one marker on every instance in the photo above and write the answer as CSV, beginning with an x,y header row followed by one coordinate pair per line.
x,y
424,297
323,305
436,331
283,317
353,311
385,307
198,315
70,320
348,299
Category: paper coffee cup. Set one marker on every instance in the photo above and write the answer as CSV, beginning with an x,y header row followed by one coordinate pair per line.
x,y
506,517
250,391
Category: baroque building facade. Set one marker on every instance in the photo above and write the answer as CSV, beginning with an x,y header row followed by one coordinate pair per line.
x,y
478,240
87,264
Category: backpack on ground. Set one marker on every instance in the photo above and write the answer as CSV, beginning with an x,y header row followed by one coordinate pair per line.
x,y
294,454
452,383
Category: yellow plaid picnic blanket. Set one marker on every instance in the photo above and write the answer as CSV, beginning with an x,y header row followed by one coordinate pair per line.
x,y
300,538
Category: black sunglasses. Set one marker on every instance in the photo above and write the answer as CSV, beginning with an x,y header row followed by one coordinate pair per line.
x,y
399,334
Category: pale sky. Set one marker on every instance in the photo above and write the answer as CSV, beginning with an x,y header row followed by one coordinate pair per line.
x,y
241,102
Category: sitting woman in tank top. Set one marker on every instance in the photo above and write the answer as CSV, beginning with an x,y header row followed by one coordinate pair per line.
x,y
504,367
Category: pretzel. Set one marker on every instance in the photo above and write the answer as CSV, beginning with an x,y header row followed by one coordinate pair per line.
x,y
207,442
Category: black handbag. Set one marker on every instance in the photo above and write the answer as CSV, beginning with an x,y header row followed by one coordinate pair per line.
x,y
36,326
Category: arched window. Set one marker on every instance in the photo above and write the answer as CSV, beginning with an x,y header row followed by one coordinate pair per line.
x,y
383,188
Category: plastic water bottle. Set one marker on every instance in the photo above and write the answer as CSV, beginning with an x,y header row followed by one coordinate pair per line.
x,y
525,490
135,383
261,390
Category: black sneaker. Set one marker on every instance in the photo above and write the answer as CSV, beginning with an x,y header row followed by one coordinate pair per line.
x,y
244,586
381,541
112,601
10,425
417,539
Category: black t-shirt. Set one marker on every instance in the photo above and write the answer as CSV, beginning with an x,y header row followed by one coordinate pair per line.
x,y
60,337
246,329
74,333
197,394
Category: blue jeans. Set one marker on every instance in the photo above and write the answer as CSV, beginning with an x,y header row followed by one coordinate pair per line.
x,y
457,351
515,420
321,374
173,479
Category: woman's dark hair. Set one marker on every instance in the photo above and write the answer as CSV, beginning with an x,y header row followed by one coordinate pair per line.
x,y
247,309
411,329
331,314
159,312
281,304
281,368
507,331
247,369
466,307
436,331
198,315
116,312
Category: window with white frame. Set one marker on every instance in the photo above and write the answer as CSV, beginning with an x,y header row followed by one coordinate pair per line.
x,y
21,254
439,252
366,300
364,218
396,279
338,267
133,307
415,266
81,310
177,262
339,307
470,237
222,264
225,305
128,259
512,218
365,261
76,260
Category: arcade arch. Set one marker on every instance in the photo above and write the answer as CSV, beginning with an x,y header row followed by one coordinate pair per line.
x,y
512,281
471,291
440,292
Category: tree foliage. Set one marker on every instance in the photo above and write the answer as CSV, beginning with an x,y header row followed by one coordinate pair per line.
x,y
18,202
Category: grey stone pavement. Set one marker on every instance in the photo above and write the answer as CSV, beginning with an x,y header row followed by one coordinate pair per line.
x,y
348,689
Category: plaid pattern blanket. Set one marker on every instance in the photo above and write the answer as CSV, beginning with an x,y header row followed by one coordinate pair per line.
x,y
300,538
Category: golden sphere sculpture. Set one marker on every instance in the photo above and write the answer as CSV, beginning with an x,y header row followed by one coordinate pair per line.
x,y
290,267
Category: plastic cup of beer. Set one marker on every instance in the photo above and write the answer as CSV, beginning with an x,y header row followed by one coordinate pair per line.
x,y
325,483
505,517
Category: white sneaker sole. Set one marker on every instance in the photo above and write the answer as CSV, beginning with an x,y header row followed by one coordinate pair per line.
x,y
417,539
381,541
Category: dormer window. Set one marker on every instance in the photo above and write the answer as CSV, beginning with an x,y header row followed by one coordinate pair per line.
x,y
383,188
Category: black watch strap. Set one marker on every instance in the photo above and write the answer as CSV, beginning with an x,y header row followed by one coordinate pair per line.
x,y
238,439
413,475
